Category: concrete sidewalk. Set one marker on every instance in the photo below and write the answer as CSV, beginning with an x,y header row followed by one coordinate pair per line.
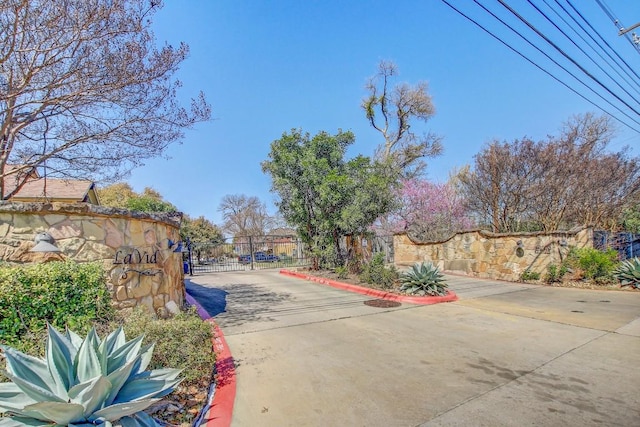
x,y
504,355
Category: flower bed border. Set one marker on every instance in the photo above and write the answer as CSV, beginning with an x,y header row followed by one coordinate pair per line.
x,y
450,297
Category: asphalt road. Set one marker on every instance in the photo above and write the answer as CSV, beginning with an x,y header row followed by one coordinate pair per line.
x,y
503,355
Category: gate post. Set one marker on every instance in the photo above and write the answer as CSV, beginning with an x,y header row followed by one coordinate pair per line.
x,y
251,254
190,260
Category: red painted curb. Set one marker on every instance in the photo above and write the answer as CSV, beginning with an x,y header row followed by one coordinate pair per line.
x,y
221,407
373,292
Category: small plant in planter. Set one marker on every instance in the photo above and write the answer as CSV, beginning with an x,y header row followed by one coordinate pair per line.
x,y
423,279
628,273
83,382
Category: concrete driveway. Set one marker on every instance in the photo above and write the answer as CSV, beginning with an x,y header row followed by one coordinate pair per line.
x,y
503,355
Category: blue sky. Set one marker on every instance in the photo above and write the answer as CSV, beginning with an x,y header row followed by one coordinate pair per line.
x,y
269,66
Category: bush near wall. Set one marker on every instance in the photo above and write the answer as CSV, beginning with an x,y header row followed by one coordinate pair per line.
x,y
60,293
182,341
593,264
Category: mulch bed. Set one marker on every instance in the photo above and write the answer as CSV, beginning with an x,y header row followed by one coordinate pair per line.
x,y
181,407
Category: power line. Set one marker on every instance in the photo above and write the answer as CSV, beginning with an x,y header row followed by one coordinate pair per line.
x,y
580,48
550,74
602,38
617,69
618,24
563,53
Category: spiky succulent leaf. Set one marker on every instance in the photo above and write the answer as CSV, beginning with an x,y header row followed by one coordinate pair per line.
x,y
119,410
35,392
74,339
28,368
423,279
61,413
112,342
88,356
83,382
168,374
118,378
22,422
124,354
145,388
141,419
628,272
91,394
145,358
59,355
12,398
115,340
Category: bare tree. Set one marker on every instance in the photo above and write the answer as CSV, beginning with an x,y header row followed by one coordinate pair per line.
x,y
499,188
84,89
244,216
572,179
605,182
391,110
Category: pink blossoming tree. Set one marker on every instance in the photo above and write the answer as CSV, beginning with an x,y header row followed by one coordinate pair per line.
x,y
427,211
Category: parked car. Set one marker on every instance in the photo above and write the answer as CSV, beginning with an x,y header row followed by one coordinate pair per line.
x,y
265,257
259,257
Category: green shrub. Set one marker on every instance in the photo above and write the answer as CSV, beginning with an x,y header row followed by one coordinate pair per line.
x,y
423,279
592,262
529,275
555,273
342,272
64,294
375,272
628,273
182,341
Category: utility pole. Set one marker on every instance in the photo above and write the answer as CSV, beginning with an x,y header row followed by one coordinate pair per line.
x,y
634,36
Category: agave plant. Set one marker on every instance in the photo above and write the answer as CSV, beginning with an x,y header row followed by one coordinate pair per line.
x,y
628,273
423,279
83,382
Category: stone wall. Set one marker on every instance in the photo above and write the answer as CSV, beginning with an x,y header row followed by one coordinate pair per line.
x,y
133,246
484,254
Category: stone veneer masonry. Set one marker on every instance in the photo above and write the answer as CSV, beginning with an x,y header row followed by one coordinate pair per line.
x,y
133,246
489,255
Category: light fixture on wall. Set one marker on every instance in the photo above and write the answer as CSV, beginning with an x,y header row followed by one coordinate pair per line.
x,y
519,248
44,243
175,246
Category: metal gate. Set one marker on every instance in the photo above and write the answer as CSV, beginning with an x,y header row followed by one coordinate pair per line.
x,y
627,244
246,253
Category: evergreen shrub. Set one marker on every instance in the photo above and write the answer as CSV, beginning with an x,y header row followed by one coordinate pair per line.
x,y
64,294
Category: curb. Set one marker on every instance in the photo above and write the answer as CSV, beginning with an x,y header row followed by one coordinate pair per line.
x,y
373,292
220,409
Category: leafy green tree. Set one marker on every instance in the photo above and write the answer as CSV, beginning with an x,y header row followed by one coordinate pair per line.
x,y
146,203
324,195
200,230
121,195
630,220
115,195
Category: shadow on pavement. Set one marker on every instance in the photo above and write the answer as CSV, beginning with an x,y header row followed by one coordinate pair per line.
x,y
211,299
235,304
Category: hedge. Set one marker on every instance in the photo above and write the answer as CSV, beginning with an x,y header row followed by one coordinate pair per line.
x,y
65,294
